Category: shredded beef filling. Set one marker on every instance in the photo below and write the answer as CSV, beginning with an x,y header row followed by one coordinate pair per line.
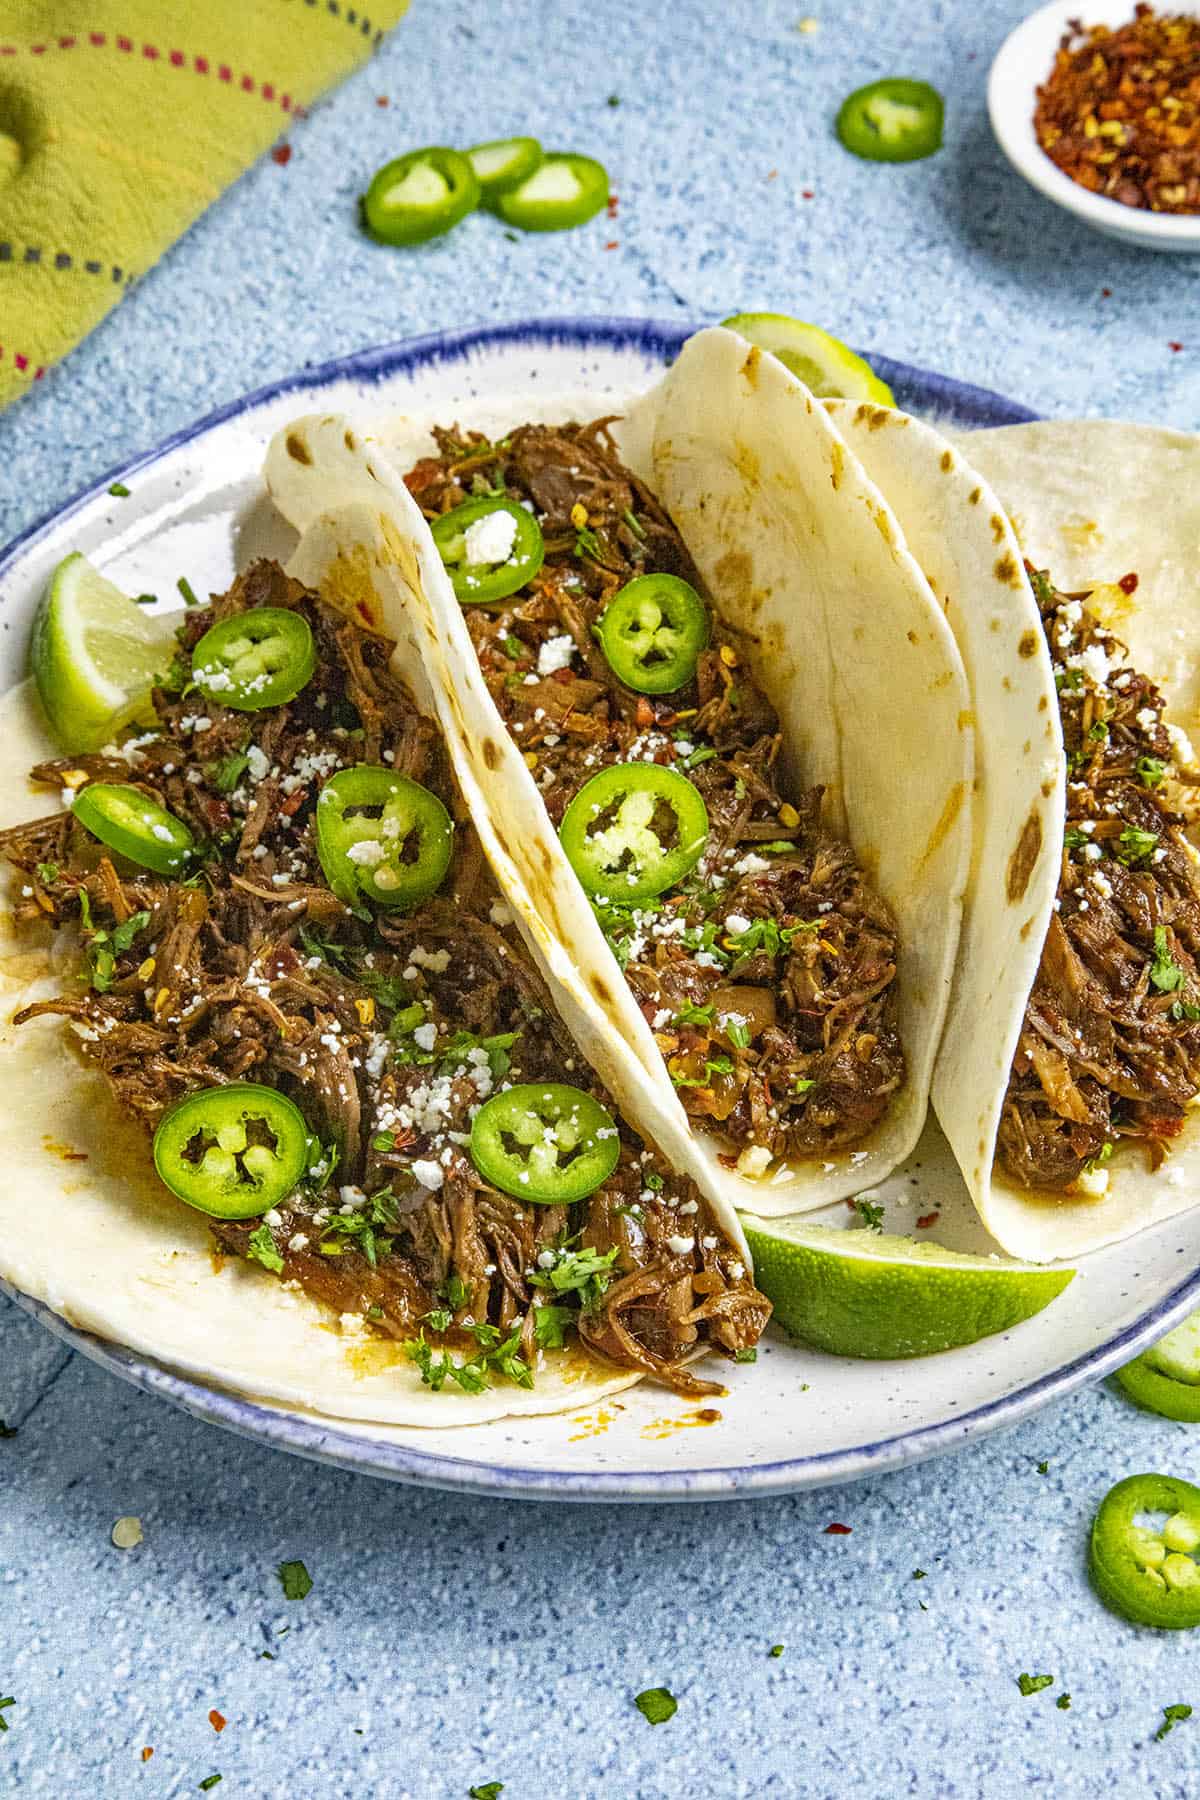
x,y
769,975
387,1032
1110,1047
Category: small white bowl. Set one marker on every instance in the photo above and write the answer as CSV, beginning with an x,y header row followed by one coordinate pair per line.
x,y
1021,66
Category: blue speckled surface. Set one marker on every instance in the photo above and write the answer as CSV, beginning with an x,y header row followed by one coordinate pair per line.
x,y
470,1640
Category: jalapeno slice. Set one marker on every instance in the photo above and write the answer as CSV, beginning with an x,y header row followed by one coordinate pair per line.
x,y
129,822
254,659
1147,1572
546,1142
503,163
419,196
490,548
634,830
565,190
652,632
382,835
1166,1378
894,120
232,1152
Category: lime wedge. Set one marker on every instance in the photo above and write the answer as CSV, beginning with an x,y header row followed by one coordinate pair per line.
x,y
95,656
824,364
863,1293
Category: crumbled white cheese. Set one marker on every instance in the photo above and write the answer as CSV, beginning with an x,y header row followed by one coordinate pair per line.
x,y
367,851
555,654
754,1161
490,539
436,961
1093,1183
425,1036
680,1246
430,1174
500,914
736,924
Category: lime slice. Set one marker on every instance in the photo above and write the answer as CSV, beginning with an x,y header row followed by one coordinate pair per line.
x,y
95,655
824,364
863,1293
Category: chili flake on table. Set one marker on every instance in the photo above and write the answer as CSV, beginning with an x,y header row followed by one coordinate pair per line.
x,y
1119,111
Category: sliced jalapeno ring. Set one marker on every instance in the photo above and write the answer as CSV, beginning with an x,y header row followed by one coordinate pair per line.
x,y
254,659
634,830
232,1152
1165,1378
503,163
1143,1570
382,835
545,1142
129,822
894,120
565,190
490,548
419,196
652,632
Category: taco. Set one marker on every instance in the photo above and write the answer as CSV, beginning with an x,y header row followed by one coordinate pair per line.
x,y
1070,1070
723,732
327,1139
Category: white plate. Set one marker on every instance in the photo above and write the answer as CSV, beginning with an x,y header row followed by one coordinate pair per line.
x,y
795,1419
1021,66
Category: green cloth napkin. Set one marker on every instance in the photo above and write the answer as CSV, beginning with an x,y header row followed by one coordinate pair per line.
x,y
121,120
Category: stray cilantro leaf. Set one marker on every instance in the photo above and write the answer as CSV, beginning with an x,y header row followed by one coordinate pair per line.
x,y
583,1272
145,599
714,1065
47,872
383,1141
656,1705
186,589
653,1182
295,1580
226,774
1033,1684
1068,678
1043,1468
588,544
1151,771
870,1214
1098,731
261,1248
363,1226
488,1790
119,491
103,947
1043,587
918,1575
736,1030
1134,846
1165,974
694,1015
7,1431
375,1313
1183,1009
514,647
550,1325
614,100
776,1650
1172,1715
8,1700
697,757
472,1375
1063,1703
747,1355
1074,839
634,524
210,1781
803,1084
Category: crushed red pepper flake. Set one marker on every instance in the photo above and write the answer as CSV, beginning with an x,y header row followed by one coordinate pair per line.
x,y
1106,293
1119,111
613,244
838,1530
927,1219
1128,583
382,100
147,1752
217,1720
282,154
614,201
1172,345
807,194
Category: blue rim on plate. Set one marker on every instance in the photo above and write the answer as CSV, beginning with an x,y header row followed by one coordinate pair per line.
x,y
951,402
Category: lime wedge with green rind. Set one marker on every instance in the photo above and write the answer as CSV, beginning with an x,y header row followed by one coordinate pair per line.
x,y
95,655
825,365
868,1294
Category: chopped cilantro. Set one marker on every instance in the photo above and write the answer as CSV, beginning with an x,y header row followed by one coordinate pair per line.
x,y
1074,839
383,1141
364,1226
1172,1715
694,1015
550,1326
1043,587
1033,1684
455,1290
633,523
1165,975
613,100
472,1375
261,1248
440,1319
1063,1703
777,847
918,1575
514,647
803,1084
119,491
8,1700
870,1214
653,1182
145,599
714,1065
1183,1009
737,1031
698,756
334,954
210,1781
1151,771
487,1790
747,1355
104,947
583,1272
295,1580
226,774
186,589
588,544
455,1051
375,1314
1098,730
1134,845
1043,1468
1068,678
657,1705
776,1650
47,872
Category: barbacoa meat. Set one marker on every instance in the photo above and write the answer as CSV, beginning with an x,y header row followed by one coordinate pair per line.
x,y
811,985
252,969
1110,1047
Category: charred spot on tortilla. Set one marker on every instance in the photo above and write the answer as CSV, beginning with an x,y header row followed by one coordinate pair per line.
x,y
975,496
883,525
966,718
998,528
297,449
1007,570
491,752
912,637
950,811
1026,928
1025,853
750,367
947,461
1043,703
350,441
837,464
1027,648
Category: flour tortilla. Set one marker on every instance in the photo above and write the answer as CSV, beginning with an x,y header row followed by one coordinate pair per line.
x,y
86,1226
1090,501
802,553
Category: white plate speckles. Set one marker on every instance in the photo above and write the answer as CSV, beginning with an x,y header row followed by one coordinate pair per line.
x,y
795,1419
